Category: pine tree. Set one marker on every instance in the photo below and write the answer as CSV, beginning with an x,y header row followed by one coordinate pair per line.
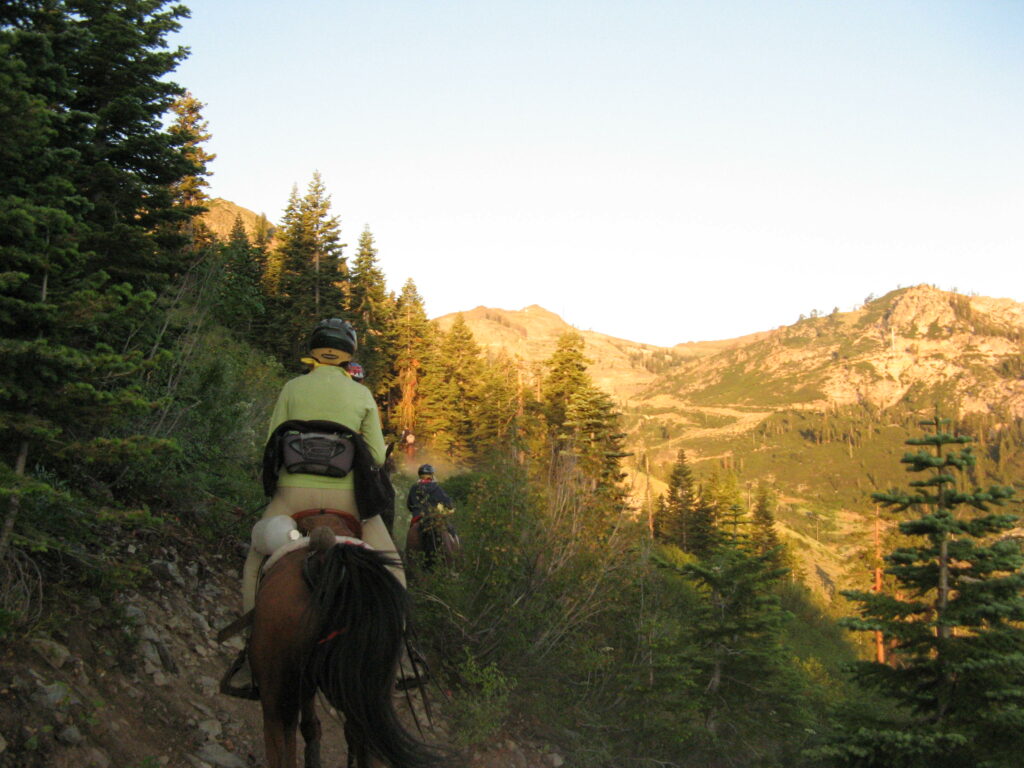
x,y
674,520
718,511
192,131
372,310
329,267
413,338
312,269
957,665
594,433
290,222
239,302
747,688
450,392
566,375
116,56
189,193
581,419
262,235
704,527
498,416
764,537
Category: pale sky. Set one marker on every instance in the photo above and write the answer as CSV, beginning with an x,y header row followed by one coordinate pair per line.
x,y
659,171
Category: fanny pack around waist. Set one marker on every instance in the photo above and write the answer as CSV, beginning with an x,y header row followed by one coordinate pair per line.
x,y
317,453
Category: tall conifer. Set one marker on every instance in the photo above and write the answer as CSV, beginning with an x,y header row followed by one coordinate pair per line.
x,y
310,285
192,131
451,390
240,296
498,417
747,689
763,535
116,55
674,517
372,310
956,622
566,375
581,419
413,337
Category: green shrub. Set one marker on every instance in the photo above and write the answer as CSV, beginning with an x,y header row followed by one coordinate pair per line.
x,y
479,707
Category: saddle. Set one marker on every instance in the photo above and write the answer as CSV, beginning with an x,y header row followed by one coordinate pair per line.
x,y
344,525
335,519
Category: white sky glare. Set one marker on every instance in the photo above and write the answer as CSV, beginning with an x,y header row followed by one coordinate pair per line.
x,y
662,171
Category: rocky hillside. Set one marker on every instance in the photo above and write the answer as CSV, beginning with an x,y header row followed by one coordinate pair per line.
x,y
910,342
132,682
622,368
914,338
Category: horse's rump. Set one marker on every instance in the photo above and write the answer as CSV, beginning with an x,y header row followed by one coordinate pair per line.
x,y
431,539
332,618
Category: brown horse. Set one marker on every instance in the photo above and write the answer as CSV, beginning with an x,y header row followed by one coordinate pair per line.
x,y
431,540
330,617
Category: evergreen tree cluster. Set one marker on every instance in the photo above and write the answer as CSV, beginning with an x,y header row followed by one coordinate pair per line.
x,y
698,516
92,246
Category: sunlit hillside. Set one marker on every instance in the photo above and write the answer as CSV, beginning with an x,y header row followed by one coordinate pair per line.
x,y
221,214
622,368
819,409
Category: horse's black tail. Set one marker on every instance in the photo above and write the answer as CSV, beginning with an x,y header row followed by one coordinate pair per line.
x,y
360,610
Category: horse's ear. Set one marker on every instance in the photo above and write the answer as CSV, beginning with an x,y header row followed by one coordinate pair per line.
x,y
387,451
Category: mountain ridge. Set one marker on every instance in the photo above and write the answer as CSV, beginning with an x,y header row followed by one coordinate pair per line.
x,y
875,354
619,366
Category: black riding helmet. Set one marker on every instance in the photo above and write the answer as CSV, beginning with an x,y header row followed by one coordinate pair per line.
x,y
334,333
425,469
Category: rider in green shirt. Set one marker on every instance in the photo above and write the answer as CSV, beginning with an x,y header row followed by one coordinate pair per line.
x,y
326,393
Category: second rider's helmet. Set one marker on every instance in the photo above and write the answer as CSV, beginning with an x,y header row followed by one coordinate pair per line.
x,y
425,469
334,333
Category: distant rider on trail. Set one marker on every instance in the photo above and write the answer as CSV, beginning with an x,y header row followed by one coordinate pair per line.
x,y
432,537
427,494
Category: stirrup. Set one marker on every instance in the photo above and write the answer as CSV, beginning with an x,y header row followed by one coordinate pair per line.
x,y
249,691
409,683
420,671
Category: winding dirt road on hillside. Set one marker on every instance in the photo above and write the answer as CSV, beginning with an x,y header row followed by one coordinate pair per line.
x,y
743,421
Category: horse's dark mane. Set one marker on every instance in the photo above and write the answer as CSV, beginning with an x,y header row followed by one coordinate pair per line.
x,y
360,611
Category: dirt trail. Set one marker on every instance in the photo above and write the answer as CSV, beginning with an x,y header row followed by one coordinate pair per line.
x,y
743,420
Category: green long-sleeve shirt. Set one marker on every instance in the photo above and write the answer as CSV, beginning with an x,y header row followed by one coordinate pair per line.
x,y
328,394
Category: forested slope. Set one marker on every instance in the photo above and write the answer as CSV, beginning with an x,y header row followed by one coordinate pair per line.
x,y
142,348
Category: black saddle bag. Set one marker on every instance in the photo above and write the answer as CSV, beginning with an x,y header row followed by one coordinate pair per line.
x,y
317,453
375,495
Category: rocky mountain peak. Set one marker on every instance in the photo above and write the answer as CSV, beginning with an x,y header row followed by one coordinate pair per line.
x,y
920,309
928,312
